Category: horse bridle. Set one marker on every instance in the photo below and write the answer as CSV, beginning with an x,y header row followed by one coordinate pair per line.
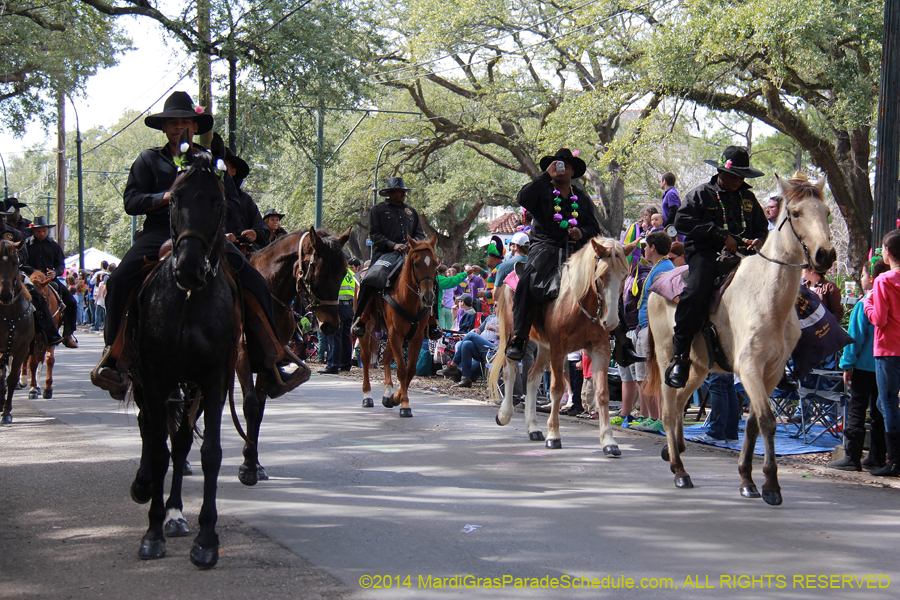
x,y
596,286
418,290
208,267
303,278
12,322
789,221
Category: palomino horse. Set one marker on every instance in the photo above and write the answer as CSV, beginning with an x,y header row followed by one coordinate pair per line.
x,y
307,263
185,338
757,327
581,317
16,327
43,354
404,308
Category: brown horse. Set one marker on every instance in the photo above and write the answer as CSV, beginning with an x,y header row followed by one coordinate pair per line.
x,y
404,309
306,263
42,354
580,318
16,327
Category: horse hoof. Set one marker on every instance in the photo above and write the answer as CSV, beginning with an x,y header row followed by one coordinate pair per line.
x,y
204,558
48,394
33,395
247,476
261,473
684,483
388,401
772,498
188,471
152,549
665,453
612,450
368,403
536,436
6,420
176,528
554,444
749,491
20,386
406,413
140,493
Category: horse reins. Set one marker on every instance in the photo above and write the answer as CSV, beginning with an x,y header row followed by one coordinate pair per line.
x,y
414,320
790,222
191,233
594,320
303,278
12,322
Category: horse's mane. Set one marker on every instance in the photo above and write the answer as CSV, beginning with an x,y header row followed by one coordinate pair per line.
x,y
801,190
581,270
201,162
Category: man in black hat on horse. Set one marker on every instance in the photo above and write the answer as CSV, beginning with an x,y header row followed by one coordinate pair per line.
x,y
389,224
564,219
242,216
46,257
42,320
720,214
147,193
14,218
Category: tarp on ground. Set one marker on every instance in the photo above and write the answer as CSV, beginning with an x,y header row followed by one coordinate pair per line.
x,y
92,259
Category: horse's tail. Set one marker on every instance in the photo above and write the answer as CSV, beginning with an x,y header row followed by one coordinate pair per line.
x,y
500,355
651,385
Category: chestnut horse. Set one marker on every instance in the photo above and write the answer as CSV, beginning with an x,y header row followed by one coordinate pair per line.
x,y
581,317
404,308
757,327
43,354
16,326
307,263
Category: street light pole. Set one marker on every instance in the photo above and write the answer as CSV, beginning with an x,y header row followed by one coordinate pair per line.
x,y
407,142
80,191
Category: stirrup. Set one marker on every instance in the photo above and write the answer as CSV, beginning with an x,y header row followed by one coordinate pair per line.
x,y
107,377
516,349
678,372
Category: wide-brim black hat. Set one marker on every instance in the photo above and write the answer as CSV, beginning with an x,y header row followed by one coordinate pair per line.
x,y
41,221
13,202
565,155
272,213
393,183
180,105
736,160
242,169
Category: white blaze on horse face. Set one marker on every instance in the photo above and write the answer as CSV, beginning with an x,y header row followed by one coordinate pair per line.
x,y
427,261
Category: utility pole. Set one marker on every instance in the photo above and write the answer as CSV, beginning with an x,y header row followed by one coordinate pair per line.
x,y
232,103
204,65
887,144
60,166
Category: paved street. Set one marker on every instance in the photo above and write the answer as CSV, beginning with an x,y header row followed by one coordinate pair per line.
x,y
360,492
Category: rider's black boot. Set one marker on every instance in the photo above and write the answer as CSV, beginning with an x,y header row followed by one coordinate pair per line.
x,y
678,371
362,311
625,354
516,348
42,318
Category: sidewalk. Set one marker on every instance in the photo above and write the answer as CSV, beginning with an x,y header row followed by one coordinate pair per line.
x,y
68,529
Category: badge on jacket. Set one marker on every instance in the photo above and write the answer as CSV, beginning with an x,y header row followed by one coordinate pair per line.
x,y
8,236
409,211
747,204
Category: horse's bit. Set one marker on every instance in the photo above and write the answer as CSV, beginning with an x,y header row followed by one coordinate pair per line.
x,y
303,278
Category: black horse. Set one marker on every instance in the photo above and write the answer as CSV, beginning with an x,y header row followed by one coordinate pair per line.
x,y
185,341
16,328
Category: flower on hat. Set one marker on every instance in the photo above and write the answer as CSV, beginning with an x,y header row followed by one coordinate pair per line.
x,y
575,152
728,164
198,110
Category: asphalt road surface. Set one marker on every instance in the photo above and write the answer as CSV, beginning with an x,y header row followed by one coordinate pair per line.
x,y
446,504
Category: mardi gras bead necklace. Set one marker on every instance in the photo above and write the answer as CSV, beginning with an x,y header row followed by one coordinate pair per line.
x,y
557,199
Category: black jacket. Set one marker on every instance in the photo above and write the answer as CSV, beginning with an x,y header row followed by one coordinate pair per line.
x,y
151,176
23,226
11,234
43,256
537,198
710,214
241,214
390,224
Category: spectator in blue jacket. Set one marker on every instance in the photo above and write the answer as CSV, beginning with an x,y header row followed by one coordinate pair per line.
x,y
858,364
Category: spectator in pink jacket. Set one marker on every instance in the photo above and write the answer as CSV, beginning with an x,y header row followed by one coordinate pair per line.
x,y
882,307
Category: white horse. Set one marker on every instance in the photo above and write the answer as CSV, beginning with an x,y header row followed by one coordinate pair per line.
x,y
581,317
757,327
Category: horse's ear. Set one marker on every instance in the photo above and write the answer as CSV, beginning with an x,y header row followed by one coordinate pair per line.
x,y
599,249
629,248
18,245
432,241
217,146
314,238
410,241
344,237
820,185
783,185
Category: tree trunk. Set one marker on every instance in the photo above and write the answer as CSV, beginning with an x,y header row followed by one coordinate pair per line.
x,y
60,170
204,66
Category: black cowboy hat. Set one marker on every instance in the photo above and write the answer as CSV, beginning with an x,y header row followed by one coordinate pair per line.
x,y
393,183
565,155
242,169
180,105
13,202
272,213
736,160
40,221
